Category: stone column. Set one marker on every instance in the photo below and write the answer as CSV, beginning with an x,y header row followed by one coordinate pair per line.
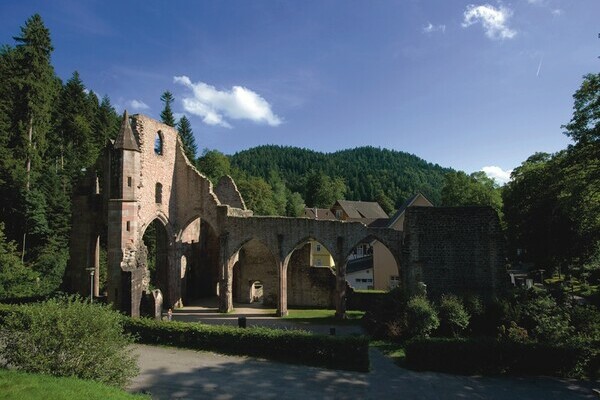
x,y
225,276
282,308
96,290
340,271
282,263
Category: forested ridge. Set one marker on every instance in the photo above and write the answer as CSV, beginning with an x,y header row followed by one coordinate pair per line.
x,y
368,172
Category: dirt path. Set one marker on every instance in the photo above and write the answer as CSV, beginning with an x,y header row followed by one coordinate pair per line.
x,y
169,373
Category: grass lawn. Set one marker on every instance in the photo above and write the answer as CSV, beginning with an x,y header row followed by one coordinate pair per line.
x,y
22,386
573,286
393,350
324,316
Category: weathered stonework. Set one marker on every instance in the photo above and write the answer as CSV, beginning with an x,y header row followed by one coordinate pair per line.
x,y
208,244
455,250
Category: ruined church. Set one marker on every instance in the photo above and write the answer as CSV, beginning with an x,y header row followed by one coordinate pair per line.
x,y
207,243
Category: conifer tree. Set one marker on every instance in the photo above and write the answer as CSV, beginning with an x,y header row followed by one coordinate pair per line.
x,y
166,115
187,138
34,88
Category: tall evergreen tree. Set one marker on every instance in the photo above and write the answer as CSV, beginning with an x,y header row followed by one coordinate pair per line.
x,y
184,127
33,87
167,113
74,128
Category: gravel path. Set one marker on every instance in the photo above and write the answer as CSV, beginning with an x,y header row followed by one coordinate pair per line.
x,y
169,373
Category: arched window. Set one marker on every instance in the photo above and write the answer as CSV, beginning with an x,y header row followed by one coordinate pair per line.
x,y
158,193
158,143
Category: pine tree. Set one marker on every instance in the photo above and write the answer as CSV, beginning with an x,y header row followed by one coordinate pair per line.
x,y
167,114
34,87
187,138
74,129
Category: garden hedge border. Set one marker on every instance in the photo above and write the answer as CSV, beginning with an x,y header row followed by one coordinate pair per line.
x,y
337,352
491,357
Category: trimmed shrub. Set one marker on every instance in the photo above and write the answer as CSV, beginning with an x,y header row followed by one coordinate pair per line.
x,y
386,318
454,319
490,356
340,352
421,317
67,337
364,300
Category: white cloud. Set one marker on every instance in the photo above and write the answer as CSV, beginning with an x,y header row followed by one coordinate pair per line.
x,y
557,12
214,105
430,28
138,105
501,176
494,20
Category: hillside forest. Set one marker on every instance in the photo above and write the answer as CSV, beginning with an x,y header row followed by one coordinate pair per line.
x,y
52,131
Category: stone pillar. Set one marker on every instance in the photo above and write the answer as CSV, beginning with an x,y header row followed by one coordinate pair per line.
x,y
340,270
282,308
96,266
225,276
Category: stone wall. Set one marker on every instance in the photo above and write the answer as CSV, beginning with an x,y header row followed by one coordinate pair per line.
x,y
256,263
309,286
228,193
454,250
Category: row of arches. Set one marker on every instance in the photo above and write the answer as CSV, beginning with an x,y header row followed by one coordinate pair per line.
x,y
193,269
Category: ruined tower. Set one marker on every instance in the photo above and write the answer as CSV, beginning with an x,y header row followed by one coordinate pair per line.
x,y
123,180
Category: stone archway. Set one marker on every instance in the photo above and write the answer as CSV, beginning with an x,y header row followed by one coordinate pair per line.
x,y
256,263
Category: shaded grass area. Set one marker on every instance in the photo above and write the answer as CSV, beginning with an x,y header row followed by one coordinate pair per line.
x,y
23,386
573,286
316,316
395,351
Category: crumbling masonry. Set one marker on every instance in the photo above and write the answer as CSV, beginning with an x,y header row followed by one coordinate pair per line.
x,y
209,244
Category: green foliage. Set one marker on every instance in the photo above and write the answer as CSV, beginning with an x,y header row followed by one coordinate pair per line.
x,y
258,196
184,127
394,317
476,189
552,204
454,319
341,352
490,356
214,165
49,132
421,317
322,191
365,171
15,279
166,115
584,127
294,204
545,320
67,337
23,386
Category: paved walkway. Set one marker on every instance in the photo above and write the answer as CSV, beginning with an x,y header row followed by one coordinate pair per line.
x,y
169,373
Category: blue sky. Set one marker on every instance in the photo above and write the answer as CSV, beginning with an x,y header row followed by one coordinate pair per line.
x,y
464,84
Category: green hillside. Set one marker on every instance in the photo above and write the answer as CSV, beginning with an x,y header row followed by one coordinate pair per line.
x,y
368,172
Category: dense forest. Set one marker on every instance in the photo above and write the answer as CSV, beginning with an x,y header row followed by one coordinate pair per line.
x,y
52,131
370,174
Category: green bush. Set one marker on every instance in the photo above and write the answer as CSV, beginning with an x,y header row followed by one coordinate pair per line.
x,y
421,317
544,319
454,319
67,337
341,352
490,356
386,318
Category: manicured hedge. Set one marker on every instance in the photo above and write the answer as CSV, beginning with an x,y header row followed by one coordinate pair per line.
x,y
364,300
490,356
339,352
